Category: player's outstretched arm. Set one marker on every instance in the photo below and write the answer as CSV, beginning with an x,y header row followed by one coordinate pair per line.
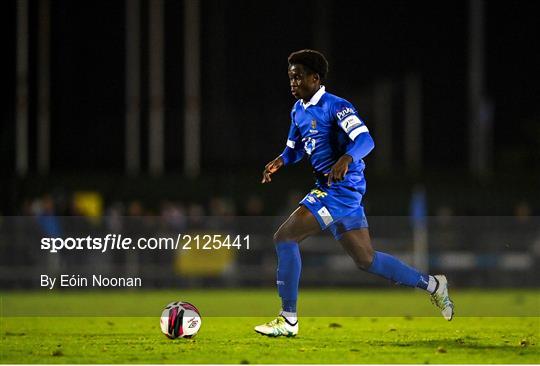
x,y
271,168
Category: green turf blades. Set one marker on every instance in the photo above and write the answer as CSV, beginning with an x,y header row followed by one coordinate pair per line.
x,y
232,340
378,335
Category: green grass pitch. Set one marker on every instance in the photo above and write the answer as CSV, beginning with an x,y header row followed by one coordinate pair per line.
x,y
336,326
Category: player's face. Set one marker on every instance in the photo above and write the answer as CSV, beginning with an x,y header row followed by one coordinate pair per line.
x,y
303,84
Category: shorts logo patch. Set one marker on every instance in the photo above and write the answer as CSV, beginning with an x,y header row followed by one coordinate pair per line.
x,y
325,216
318,193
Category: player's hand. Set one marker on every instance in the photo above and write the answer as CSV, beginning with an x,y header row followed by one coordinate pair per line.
x,y
339,169
271,168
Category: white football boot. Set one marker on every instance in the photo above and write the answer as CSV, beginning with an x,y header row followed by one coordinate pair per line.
x,y
277,328
441,299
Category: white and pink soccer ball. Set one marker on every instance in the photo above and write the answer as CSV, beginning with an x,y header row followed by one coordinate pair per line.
x,y
180,319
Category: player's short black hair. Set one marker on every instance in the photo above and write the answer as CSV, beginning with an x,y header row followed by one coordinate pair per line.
x,y
313,60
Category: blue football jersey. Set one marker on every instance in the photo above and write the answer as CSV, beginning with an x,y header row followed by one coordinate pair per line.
x,y
325,128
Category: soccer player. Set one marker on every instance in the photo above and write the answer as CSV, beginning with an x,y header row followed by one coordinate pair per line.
x,y
329,131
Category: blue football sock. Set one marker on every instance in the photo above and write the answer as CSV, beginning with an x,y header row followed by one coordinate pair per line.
x,y
288,274
393,269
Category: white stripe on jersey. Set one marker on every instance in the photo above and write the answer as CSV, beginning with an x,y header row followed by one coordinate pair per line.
x,y
358,131
291,144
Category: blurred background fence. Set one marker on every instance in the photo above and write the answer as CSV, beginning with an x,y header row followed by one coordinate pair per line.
x,y
171,108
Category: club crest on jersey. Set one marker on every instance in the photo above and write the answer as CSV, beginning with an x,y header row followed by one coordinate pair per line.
x,y
344,113
313,128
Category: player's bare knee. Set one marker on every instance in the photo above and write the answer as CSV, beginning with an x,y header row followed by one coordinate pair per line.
x,y
363,264
285,234
364,259
281,236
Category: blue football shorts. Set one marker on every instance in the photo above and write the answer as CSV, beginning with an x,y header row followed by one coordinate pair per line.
x,y
338,207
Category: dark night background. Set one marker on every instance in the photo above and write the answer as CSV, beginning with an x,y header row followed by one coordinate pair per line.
x,y
246,100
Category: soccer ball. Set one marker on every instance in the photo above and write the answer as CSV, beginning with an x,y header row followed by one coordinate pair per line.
x,y
180,319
